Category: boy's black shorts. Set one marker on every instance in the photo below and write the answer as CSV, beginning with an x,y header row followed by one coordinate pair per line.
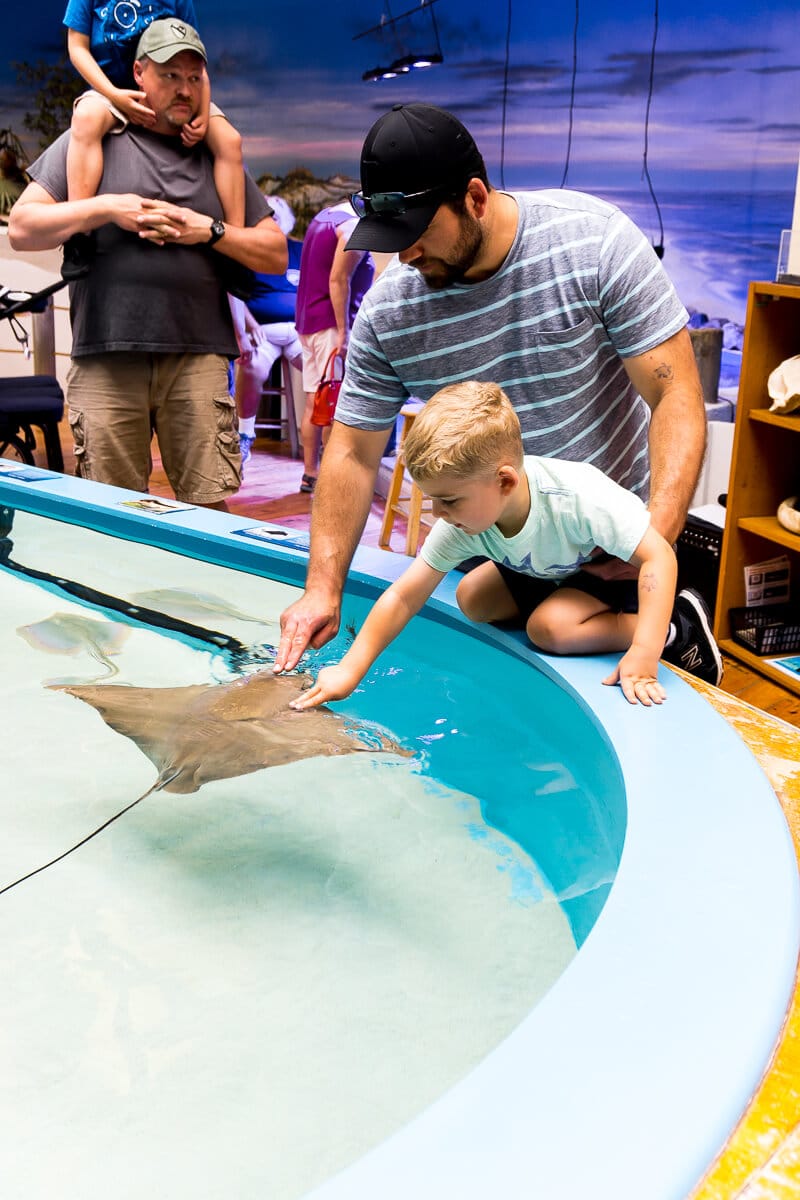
x,y
528,592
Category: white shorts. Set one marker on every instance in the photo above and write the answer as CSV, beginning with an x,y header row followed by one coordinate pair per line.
x,y
317,349
121,120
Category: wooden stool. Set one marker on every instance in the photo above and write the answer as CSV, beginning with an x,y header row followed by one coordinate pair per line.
x,y
405,499
286,421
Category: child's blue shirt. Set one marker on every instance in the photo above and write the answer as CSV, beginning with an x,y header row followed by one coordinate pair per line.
x,y
115,26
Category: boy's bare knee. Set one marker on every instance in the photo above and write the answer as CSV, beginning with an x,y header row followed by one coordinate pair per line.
x,y
468,599
546,630
91,120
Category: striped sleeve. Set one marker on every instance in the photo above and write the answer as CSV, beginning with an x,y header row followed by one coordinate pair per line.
x,y
640,306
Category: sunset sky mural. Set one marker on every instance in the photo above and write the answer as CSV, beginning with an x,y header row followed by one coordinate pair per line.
x,y
724,127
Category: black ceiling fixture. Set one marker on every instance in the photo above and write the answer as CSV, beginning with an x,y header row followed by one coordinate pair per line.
x,y
399,35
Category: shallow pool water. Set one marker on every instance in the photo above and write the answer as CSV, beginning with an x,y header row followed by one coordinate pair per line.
x,y
241,990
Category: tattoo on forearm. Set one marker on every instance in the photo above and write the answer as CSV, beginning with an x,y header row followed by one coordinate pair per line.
x,y
663,371
648,582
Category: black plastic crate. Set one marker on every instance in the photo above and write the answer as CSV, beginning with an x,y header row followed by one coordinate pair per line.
x,y
767,628
698,550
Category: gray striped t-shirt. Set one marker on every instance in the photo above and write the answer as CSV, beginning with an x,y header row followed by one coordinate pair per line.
x,y
580,289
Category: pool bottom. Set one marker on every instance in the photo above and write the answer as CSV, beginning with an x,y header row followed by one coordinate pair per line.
x,y
277,971
277,976
643,1055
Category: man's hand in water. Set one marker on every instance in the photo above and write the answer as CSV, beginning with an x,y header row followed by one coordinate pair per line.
x,y
311,621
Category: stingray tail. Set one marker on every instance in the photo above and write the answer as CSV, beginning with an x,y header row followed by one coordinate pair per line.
x,y
164,779
159,783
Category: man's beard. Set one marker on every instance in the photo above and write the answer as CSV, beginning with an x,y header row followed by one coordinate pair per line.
x,y
464,255
177,123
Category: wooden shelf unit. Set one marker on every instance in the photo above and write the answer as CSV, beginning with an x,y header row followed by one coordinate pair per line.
x,y
765,465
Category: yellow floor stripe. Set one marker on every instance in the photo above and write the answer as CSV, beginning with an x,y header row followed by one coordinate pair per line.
x,y
761,1160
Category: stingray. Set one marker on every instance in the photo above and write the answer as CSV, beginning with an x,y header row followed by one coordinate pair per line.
x,y
181,602
66,633
202,732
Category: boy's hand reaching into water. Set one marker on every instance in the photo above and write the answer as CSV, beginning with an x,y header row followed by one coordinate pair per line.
x,y
636,673
332,683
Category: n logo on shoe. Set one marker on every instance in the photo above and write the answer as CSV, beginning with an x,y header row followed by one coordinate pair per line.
x,y
692,658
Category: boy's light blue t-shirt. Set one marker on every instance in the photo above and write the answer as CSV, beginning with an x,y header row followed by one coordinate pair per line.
x,y
574,509
115,26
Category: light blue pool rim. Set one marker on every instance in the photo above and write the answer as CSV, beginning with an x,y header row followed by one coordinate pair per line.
x,y
629,1075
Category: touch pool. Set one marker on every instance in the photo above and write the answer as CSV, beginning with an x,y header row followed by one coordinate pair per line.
x,y
356,974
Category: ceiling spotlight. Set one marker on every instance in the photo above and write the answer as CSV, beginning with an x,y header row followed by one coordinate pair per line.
x,y
378,73
426,60
400,30
415,62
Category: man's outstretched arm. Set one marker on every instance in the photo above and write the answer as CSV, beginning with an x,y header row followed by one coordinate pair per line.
x,y
342,499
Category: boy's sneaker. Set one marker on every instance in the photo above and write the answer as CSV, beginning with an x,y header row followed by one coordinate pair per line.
x,y
79,252
694,648
245,446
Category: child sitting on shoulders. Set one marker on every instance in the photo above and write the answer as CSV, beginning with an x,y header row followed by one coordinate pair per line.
x,y
539,521
101,41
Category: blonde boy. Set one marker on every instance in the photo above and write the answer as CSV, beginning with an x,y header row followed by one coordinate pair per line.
x,y
538,520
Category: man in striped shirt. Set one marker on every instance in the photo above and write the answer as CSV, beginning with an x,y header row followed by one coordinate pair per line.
x,y
554,295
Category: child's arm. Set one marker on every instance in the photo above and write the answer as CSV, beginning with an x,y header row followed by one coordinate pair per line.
x,y
127,100
387,617
637,671
195,130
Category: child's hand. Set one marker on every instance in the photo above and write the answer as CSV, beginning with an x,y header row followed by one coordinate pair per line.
x,y
636,674
194,131
131,104
333,683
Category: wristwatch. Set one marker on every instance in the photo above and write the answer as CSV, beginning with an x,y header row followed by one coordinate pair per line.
x,y
217,231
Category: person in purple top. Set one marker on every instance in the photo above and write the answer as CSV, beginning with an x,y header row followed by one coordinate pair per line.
x,y
332,284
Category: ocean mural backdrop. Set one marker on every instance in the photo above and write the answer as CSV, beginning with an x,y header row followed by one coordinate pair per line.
x,y
553,93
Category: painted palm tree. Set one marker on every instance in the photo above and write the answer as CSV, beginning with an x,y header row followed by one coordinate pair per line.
x,y
13,177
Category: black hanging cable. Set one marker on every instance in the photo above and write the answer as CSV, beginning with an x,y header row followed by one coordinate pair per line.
x,y
572,91
659,247
505,101
432,11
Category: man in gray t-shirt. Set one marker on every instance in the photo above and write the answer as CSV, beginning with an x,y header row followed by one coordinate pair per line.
x,y
151,324
555,296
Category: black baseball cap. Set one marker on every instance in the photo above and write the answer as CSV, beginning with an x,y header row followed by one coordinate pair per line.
x,y
413,158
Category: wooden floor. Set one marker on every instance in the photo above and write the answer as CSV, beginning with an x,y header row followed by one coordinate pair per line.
x,y
270,493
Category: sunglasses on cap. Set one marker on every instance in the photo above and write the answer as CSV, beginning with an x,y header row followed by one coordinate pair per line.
x,y
391,203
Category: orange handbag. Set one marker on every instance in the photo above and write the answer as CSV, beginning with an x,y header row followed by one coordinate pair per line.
x,y
327,392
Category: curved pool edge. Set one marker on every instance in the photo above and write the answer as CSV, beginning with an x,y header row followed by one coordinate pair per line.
x,y
689,984
623,1082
